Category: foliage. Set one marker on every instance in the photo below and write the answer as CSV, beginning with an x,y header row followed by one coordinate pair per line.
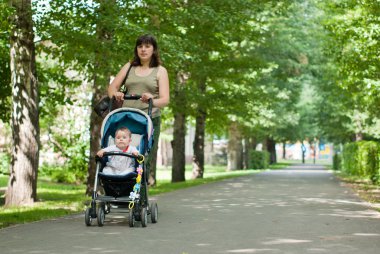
x,y
353,47
5,72
259,159
5,160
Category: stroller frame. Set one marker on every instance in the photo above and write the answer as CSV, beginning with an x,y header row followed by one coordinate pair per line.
x,y
137,206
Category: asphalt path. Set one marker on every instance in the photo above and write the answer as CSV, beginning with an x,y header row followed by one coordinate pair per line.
x,y
301,209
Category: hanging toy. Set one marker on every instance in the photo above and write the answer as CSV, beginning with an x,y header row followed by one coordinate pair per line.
x,y
136,188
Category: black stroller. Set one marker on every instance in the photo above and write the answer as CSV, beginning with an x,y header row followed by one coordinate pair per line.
x,y
124,192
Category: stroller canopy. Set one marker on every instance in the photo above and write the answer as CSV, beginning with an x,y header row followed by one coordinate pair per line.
x,y
137,121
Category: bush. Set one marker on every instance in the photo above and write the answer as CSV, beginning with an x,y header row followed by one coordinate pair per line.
x,y
369,159
5,160
362,159
350,160
337,161
258,159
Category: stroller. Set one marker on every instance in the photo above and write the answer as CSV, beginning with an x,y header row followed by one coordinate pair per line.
x,y
127,192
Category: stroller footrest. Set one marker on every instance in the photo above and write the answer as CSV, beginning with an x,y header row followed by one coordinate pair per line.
x,y
113,199
118,178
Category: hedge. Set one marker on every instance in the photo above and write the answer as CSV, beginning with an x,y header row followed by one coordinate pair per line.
x,y
259,159
362,159
337,161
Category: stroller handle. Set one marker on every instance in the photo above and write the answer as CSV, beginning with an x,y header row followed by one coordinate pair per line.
x,y
137,97
139,157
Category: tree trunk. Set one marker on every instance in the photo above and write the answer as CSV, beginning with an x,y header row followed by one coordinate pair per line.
x,y
358,136
199,145
284,150
22,185
179,132
271,148
250,145
178,143
101,80
95,127
164,152
235,148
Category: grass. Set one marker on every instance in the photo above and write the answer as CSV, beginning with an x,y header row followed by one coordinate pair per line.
x,y
367,190
56,200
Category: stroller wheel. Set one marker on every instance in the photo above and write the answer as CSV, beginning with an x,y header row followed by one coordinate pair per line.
x,y
153,212
144,217
107,208
131,218
101,216
87,217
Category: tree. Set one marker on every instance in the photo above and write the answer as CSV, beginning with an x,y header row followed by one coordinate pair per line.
x,y
352,46
90,39
22,185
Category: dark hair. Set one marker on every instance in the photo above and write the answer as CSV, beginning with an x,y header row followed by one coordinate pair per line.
x,y
124,129
147,39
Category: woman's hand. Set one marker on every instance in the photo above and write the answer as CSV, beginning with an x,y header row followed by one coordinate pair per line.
x,y
119,96
146,96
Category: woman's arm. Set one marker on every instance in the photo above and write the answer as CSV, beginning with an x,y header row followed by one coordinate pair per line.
x,y
163,86
114,87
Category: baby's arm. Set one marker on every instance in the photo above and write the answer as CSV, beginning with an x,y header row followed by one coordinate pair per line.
x,y
100,153
134,151
107,149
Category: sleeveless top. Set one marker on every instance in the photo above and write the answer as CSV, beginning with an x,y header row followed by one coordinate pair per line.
x,y
138,85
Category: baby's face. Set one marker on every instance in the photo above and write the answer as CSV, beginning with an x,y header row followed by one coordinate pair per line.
x,y
122,139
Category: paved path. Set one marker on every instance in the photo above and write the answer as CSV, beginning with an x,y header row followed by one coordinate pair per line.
x,y
303,209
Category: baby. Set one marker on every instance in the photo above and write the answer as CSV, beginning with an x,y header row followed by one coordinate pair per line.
x,y
119,164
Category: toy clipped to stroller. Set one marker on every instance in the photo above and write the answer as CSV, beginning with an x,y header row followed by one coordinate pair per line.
x,y
125,190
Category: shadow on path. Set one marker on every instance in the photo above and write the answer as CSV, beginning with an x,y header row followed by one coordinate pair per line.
x,y
301,209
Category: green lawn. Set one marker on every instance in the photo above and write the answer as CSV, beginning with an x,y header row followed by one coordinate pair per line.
x,y
55,200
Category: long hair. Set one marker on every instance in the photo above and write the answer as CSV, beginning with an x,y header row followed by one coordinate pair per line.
x,y
147,39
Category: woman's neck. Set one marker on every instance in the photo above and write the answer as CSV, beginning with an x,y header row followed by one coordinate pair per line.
x,y
145,65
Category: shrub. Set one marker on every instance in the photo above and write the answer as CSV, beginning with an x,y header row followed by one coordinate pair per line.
x,y
350,160
362,159
5,159
259,159
369,159
337,161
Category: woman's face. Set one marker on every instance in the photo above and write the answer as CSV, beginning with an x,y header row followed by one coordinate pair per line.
x,y
145,52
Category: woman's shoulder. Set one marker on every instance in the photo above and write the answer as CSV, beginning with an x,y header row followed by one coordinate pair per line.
x,y
161,70
127,65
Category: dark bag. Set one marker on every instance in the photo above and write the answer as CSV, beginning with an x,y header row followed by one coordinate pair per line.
x,y
106,104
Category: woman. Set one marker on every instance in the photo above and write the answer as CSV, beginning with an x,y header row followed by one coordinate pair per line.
x,y
149,79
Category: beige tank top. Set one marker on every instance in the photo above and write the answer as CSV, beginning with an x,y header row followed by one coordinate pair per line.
x,y
137,85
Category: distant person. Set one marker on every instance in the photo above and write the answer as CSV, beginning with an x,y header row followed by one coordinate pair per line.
x,y
119,164
149,79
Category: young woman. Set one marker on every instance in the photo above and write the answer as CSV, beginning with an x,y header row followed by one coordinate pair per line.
x,y
149,79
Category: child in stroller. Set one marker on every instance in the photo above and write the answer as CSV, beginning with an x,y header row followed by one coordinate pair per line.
x,y
120,165
126,190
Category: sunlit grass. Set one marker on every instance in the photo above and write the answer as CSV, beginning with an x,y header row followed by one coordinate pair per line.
x,y
280,165
54,200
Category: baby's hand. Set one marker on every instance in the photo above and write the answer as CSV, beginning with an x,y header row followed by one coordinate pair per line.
x,y
100,153
135,153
